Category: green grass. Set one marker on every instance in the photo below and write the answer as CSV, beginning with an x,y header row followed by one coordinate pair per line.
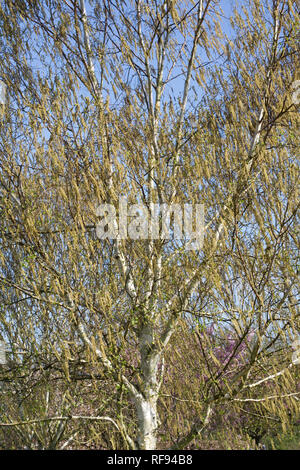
x,y
288,441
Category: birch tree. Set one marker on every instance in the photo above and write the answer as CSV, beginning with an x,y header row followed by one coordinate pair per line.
x,y
159,102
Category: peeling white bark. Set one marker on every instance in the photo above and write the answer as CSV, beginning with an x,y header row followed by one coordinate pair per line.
x,y
146,403
147,423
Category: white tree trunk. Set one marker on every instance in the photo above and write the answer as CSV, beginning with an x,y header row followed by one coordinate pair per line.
x,y
147,423
146,402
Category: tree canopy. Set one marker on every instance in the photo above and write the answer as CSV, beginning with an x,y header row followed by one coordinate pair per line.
x,y
143,343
